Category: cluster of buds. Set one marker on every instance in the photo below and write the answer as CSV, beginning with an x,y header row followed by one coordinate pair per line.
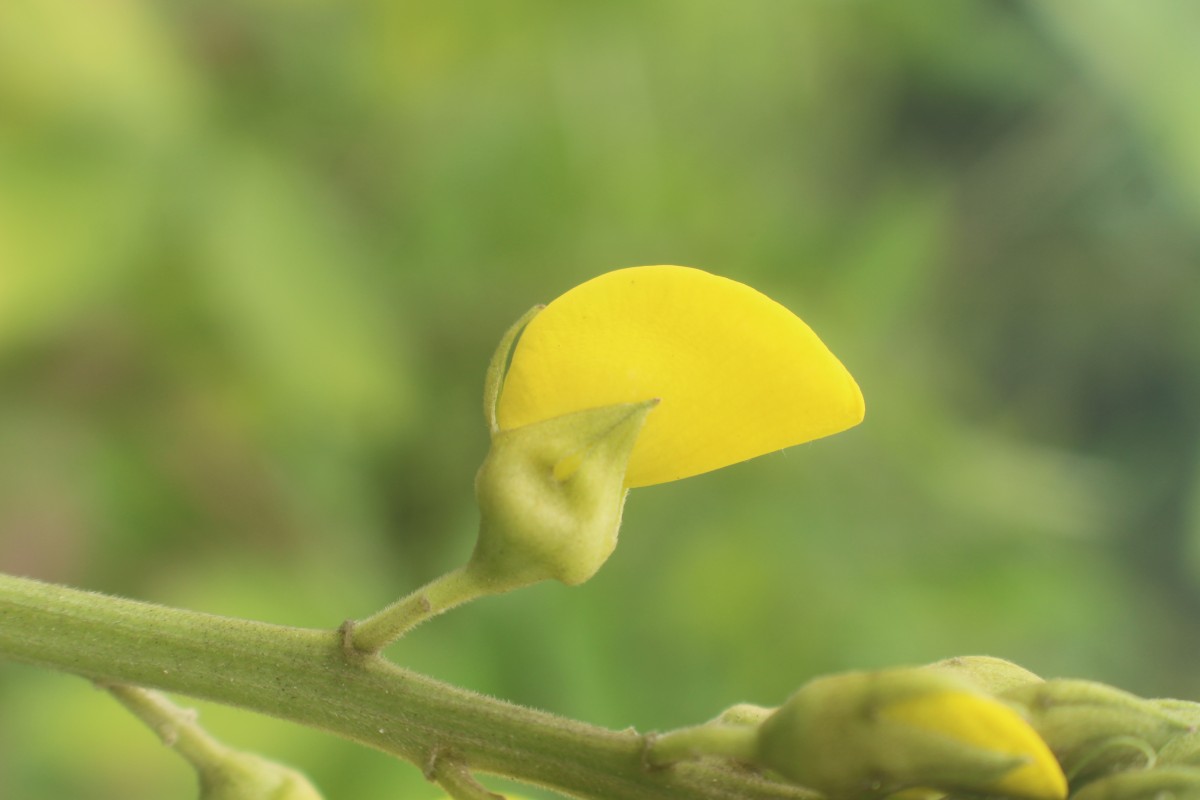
x,y
1114,745
965,727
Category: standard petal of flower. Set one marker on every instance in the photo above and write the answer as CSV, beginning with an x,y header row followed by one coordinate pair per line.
x,y
988,725
738,375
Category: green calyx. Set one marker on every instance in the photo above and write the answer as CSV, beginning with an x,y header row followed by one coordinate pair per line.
x,y
1175,783
550,497
987,673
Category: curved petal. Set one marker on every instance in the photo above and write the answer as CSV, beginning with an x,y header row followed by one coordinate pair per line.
x,y
989,725
738,375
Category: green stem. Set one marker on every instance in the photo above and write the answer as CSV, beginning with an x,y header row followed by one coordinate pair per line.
x,y
735,742
221,771
441,594
459,783
176,727
304,675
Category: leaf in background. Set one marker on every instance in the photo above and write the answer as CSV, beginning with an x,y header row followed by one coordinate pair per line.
x,y
1143,55
90,98
289,283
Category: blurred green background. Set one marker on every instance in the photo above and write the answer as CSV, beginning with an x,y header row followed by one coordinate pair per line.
x,y
254,258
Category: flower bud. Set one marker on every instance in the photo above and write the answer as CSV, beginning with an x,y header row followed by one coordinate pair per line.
x,y
1183,748
1160,783
869,734
550,497
1185,710
245,776
1093,728
990,674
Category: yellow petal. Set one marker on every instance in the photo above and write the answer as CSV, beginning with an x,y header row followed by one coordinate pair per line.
x,y
989,725
738,375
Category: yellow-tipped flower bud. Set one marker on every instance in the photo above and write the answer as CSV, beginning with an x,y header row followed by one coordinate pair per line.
x,y
1093,728
1160,783
990,674
870,734
550,497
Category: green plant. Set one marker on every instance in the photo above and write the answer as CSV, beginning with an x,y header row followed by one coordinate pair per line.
x,y
638,377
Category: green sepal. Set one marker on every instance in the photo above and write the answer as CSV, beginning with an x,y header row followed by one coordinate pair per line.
x,y
988,673
550,497
493,381
1160,783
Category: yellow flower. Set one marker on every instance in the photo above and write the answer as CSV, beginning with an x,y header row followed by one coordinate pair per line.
x,y
737,374
639,376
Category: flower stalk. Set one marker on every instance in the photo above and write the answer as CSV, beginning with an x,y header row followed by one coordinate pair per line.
x,y
223,773
736,742
456,778
385,626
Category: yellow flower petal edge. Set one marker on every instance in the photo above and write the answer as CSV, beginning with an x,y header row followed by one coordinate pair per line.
x,y
738,375
989,725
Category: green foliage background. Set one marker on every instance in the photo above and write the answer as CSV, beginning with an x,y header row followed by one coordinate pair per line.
x,y
254,257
